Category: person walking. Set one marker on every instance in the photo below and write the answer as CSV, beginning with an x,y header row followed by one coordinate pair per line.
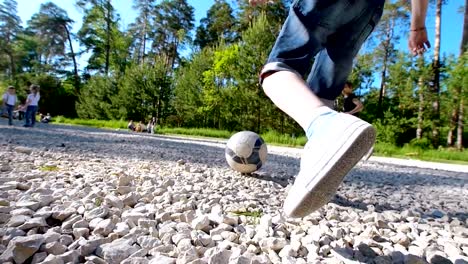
x,y
9,102
32,104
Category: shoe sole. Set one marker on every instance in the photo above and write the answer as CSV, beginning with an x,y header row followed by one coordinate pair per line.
x,y
306,198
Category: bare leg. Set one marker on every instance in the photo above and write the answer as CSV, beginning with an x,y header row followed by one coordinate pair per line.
x,y
291,94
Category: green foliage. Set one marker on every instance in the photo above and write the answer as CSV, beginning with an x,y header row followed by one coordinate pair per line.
x,y
95,100
217,25
394,130
423,143
188,89
101,36
173,21
143,92
10,29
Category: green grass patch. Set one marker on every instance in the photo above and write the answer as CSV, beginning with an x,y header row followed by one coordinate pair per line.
x,y
198,132
275,138
411,152
98,201
252,216
284,139
49,168
114,124
256,214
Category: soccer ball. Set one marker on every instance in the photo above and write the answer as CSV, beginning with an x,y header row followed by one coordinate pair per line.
x,y
246,152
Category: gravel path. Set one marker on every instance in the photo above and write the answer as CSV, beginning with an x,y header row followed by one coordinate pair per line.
x,y
83,195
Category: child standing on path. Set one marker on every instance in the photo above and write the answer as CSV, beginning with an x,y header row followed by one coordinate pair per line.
x,y
351,103
32,103
9,102
332,32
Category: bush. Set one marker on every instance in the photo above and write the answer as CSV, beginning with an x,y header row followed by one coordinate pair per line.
x,y
423,143
393,130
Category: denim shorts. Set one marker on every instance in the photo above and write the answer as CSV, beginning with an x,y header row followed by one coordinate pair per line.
x,y
333,32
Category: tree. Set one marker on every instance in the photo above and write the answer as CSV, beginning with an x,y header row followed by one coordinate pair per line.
x,y
139,91
10,28
173,21
461,90
51,26
217,25
423,81
188,89
435,86
456,125
275,11
100,34
141,28
95,99
394,16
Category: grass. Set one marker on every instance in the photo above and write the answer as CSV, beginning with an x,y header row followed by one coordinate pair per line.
x,y
435,155
274,138
252,216
114,124
197,132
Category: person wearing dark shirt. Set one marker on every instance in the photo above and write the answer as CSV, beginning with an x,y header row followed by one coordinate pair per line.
x,y
351,104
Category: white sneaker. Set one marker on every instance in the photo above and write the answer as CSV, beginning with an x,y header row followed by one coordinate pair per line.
x,y
338,142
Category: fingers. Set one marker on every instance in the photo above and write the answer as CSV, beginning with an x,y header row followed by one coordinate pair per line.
x,y
418,47
428,44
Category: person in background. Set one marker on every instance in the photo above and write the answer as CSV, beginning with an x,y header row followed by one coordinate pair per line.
x,y
46,118
21,112
9,102
152,125
32,104
131,125
140,127
351,103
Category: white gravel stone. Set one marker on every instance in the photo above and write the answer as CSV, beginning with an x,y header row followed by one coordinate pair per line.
x,y
116,251
21,248
201,223
104,227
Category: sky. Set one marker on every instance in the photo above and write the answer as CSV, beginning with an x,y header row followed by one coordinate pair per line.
x,y
452,19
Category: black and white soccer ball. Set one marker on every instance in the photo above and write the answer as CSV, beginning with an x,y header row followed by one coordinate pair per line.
x,y
246,152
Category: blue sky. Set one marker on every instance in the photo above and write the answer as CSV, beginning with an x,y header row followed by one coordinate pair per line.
x,y
452,20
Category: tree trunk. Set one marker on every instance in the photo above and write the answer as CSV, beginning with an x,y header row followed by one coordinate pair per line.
x,y
460,125
108,36
436,78
141,56
453,126
461,110
75,65
389,35
419,130
12,65
382,86
464,42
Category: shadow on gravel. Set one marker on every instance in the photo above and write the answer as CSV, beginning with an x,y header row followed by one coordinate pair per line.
x,y
98,143
400,188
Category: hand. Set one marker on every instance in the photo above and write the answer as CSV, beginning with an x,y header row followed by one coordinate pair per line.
x,y
418,42
257,2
